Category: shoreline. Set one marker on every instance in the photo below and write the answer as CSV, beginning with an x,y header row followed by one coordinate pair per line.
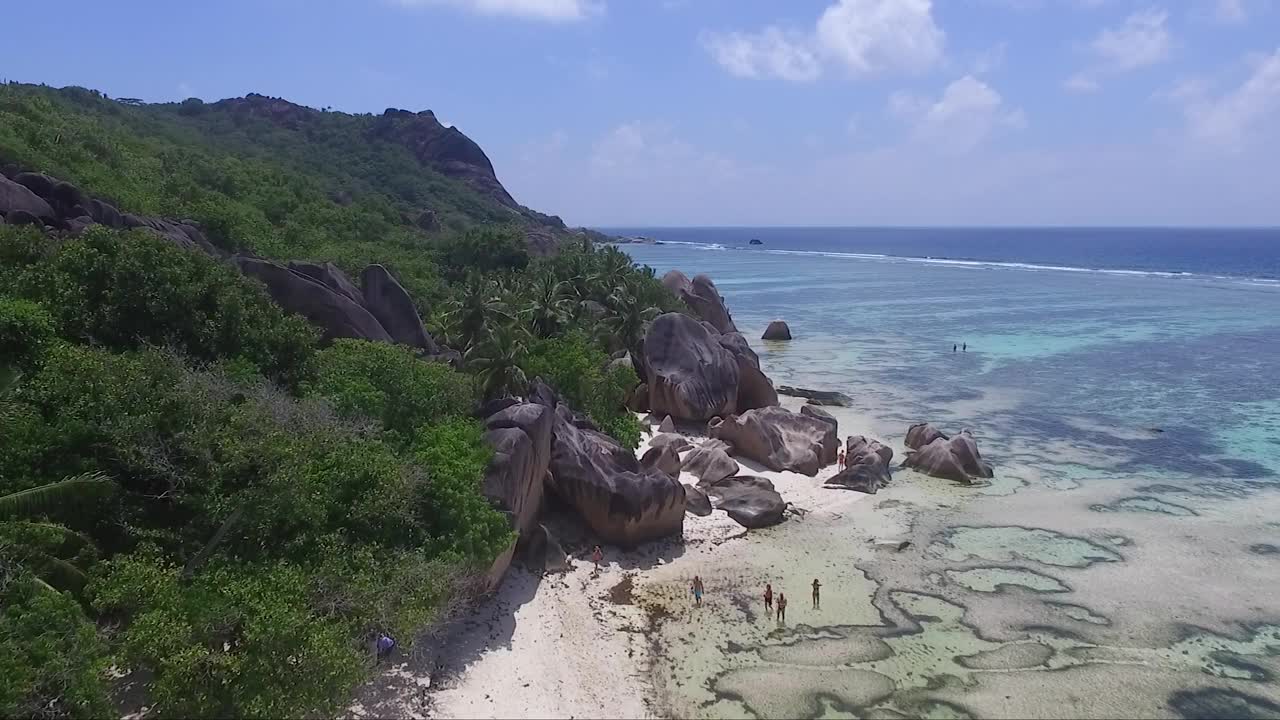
x,y
586,644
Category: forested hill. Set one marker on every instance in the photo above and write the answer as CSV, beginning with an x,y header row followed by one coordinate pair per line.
x,y
242,164
246,351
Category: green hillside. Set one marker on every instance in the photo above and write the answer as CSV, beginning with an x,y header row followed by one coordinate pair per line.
x,y
193,486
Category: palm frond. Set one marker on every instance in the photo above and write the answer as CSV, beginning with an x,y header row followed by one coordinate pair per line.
x,y
70,542
71,492
56,572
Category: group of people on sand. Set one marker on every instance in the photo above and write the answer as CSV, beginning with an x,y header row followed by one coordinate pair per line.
x,y
780,605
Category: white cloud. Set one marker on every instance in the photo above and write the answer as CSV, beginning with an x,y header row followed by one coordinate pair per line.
x,y
1231,119
870,36
1081,83
966,115
1229,11
1140,41
769,53
553,10
864,36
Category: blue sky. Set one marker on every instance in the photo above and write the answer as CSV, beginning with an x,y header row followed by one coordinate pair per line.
x,y
754,112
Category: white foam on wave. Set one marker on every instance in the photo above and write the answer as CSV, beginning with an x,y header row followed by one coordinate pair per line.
x,y
987,264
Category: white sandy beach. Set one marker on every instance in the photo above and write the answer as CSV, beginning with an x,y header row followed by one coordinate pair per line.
x,y
560,646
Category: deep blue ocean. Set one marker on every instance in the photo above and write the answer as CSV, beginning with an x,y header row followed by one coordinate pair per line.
x,y
1240,253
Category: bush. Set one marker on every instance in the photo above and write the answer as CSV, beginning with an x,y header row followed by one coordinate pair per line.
x,y
52,662
581,373
462,521
237,641
124,290
483,250
25,331
390,384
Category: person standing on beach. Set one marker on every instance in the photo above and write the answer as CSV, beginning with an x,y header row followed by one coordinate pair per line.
x,y
782,607
953,347
964,347
596,556
840,461
768,597
817,601
697,590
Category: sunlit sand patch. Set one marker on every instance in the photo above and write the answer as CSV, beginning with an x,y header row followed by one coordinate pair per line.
x,y
992,579
1144,504
1015,656
781,691
1010,543
1079,613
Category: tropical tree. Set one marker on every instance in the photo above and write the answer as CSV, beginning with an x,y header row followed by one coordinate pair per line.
x,y
497,361
629,318
549,307
478,307
57,556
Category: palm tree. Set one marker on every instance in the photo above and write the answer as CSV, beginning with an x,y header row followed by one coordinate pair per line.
x,y
56,555
479,307
629,318
497,362
549,307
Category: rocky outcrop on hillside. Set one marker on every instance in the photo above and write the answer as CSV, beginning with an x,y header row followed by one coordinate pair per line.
x,y
388,301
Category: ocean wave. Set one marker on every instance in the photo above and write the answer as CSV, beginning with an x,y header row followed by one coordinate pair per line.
x,y
988,264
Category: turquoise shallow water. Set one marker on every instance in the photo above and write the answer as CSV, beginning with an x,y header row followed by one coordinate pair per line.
x,y
1094,360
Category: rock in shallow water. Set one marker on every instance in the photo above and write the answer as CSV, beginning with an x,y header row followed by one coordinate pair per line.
x,y
777,330
955,459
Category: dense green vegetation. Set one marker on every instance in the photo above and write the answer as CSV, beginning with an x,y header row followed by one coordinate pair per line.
x,y
193,487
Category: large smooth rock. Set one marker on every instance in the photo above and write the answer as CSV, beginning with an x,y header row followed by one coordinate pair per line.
x,y
691,375
388,301
751,501
678,443
38,183
818,413
15,197
333,313
702,297
817,397
867,466
68,200
696,501
664,458
667,425
777,330
710,462
520,436
755,389
922,434
331,277
541,552
106,214
955,459
621,501
779,439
